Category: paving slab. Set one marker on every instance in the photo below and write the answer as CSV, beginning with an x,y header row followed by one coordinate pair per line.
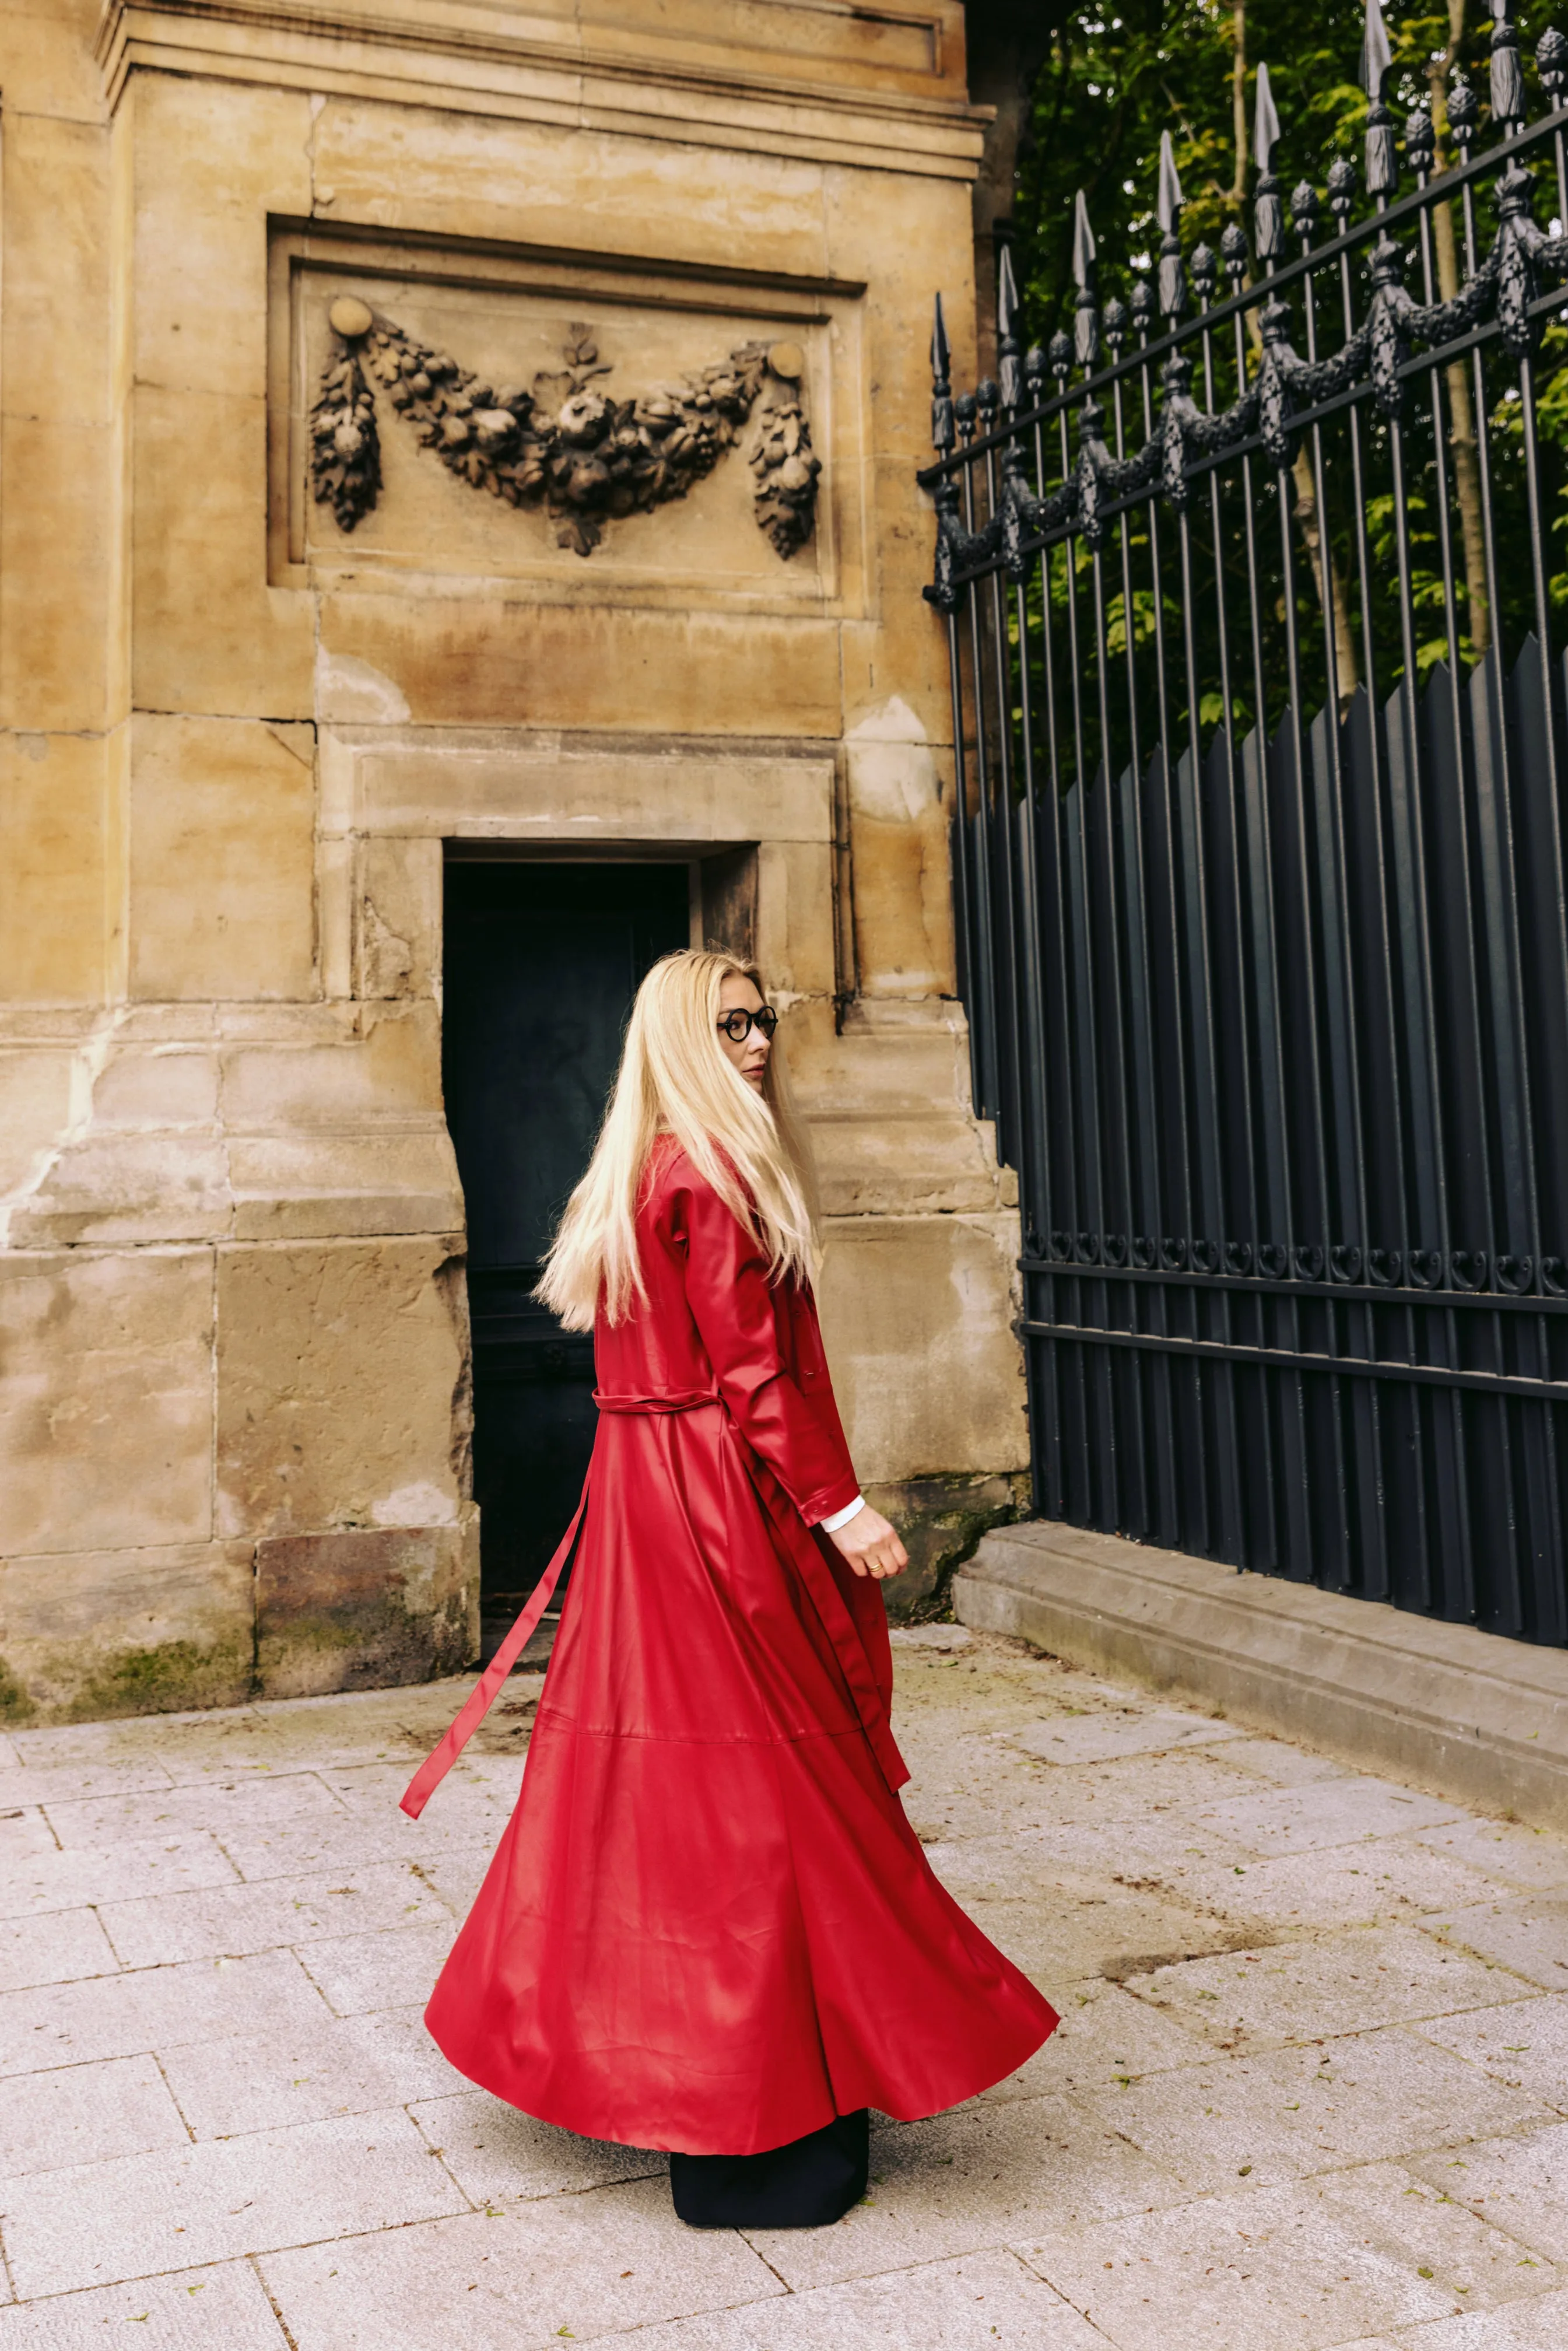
x,y
52,1880
153,2007
1530,1859
984,2302
1525,2047
59,1946
599,2264
288,1798
1531,2326
94,2224
962,2181
224,2308
1304,1990
1344,1886
1267,2269
1518,2183
498,2155
1528,1933
357,1972
301,2072
1280,2114
87,2114
326,1905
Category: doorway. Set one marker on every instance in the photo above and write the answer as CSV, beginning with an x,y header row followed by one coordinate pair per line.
x,y
542,961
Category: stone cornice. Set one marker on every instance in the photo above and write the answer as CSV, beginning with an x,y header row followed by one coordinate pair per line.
x,y
490,57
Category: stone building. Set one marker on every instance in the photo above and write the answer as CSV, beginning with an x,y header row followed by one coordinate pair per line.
x,y
458,495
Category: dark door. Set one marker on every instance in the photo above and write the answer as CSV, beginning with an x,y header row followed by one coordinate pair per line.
x,y
542,961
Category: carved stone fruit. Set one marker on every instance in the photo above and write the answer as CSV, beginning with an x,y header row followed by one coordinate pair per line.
x,y
582,417
347,440
455,431
494,427
787,360
351,317
794,476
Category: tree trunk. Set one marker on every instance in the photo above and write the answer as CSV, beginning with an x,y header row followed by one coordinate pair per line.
x,y
1462,437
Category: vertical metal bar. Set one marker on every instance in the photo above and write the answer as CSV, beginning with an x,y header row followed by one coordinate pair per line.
x,y
990,1105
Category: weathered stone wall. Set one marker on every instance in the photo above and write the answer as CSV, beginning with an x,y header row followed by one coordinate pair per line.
x,y
234,1358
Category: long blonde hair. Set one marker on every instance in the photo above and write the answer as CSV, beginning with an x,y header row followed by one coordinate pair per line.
x,y
674,1079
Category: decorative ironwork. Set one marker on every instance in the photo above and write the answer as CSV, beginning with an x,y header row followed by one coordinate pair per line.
x,y
1259,707
565,442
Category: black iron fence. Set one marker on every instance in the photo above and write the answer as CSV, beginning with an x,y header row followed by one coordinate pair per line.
x,y
1255,588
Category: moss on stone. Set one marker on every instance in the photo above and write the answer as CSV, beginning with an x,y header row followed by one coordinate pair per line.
x,y
15,1706
169,1679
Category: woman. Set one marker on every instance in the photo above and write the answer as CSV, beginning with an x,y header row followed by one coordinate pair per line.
x,y
708,1926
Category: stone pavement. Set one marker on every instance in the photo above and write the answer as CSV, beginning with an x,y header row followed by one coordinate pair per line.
x,y
1310,2088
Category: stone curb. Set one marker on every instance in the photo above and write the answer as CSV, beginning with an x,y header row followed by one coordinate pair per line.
x,y
1470,1715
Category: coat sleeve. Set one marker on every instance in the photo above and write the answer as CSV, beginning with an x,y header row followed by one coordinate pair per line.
x,y
732,1304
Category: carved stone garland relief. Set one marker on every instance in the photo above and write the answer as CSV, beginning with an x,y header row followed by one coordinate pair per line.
x,y
582,453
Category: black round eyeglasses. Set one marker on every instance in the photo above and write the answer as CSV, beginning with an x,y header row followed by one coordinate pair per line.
x,y
739,1025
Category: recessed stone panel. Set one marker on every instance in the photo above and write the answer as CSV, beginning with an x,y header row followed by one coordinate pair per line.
x,y
580,431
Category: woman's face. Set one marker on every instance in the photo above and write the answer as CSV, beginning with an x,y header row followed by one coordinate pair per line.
x,y
751,1056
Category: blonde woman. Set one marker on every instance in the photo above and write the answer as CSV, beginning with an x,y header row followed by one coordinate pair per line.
x,y
708,1926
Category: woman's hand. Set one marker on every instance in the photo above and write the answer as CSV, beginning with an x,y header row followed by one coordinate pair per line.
x,y
870,1544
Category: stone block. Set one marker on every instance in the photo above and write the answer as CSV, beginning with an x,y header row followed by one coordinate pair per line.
x,y
100,1633
898,833
49,66
106,1412
222,815
54,845
342,1387
795,942
533,183
209,636
213,159
157,1086
55,569
917,1313
365,1609
488,662
55,338
382,1068
36,1092
133,1187
337,1185
910,1165
555,788
397,918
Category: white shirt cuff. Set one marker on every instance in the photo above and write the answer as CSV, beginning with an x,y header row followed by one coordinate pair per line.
x,y
841,1518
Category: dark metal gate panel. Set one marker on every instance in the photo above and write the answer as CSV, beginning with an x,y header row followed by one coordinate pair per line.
x,y
1259,713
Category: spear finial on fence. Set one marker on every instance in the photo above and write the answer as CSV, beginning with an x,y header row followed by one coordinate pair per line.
x,y
1420,144
1507,75
1341,191
1464,110
1168,205
942,429
1087,317
1552,58
1268,216
1376,65
1143,307
1304,210
1009,366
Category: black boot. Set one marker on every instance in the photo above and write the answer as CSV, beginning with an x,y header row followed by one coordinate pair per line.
x,y
809,2184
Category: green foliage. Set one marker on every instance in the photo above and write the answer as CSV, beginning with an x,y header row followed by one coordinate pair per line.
x,y
1112,82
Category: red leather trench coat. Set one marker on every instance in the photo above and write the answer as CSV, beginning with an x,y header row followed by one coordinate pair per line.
x,y
708,1926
